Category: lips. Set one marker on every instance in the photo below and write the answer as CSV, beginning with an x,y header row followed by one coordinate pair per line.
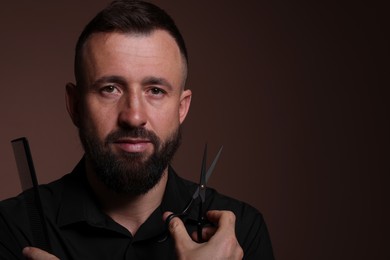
x,y
133,145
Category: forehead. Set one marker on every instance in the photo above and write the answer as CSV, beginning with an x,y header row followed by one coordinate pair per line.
x,y
133,55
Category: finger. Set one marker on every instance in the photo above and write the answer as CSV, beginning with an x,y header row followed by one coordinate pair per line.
x,y
34,253
178,232
207,233
166,214
223,218
225,232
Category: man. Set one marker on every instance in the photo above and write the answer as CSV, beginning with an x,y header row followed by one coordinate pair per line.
x,y
128,103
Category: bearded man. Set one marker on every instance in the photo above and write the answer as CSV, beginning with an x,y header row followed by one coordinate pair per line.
x,y
128,103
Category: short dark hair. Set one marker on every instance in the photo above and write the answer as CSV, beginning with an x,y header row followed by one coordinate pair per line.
x,y
128,16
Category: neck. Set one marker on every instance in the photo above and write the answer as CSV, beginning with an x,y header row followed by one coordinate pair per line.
x,y
127,210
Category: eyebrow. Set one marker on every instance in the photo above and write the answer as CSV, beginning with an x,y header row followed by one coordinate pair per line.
x,y
156,81
151,80
113,79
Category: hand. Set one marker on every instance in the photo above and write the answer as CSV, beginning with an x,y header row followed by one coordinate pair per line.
x,y
221,241
33,253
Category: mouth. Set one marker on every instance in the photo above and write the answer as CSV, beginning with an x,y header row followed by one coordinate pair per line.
x,y
133,145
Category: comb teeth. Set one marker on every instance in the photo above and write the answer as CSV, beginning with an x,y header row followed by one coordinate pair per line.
x,y
32,198
37,221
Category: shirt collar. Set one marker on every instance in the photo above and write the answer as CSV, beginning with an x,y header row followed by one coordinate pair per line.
x,y
78,202
80,205
176,196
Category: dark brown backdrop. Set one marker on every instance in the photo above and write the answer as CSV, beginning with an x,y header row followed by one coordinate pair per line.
x,y
296,92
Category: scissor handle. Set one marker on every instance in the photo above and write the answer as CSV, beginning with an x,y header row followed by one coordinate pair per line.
x,y
181,215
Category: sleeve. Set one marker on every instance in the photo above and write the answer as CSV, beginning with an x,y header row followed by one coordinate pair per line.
x,y
251,230
13,237
9,247
253,236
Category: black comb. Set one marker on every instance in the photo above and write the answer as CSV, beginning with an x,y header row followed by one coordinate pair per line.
x,y
28,180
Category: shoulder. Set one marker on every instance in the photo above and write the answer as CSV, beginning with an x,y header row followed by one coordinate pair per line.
x,y
15,220
251,229
214,200
49,193
246,215
13,211
244,212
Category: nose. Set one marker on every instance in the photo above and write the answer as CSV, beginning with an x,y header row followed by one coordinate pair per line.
x,y
132,112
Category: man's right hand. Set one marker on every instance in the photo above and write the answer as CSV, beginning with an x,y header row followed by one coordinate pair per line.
x,y
221,242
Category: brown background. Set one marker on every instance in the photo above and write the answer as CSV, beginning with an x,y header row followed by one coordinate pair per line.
x,y
295,91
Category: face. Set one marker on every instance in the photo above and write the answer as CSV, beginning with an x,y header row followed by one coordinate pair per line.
x,y
130,106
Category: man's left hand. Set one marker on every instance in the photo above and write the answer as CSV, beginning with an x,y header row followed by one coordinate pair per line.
x,y
221,241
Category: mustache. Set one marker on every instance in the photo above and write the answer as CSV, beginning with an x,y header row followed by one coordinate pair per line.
x,y
138,132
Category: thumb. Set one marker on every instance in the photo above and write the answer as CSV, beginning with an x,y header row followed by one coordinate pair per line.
x,y
178,232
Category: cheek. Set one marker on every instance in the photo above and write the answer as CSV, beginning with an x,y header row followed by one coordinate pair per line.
x,y
166,121
98,120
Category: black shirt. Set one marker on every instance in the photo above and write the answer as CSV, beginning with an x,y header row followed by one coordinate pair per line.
x,y
78,229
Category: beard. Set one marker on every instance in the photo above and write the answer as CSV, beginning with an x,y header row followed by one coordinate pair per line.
x,y
129,173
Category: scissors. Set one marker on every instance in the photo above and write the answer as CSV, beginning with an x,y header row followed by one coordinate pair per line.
x,y
199,192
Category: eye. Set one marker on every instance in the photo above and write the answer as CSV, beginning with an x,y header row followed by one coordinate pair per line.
x,y
157,91
109,89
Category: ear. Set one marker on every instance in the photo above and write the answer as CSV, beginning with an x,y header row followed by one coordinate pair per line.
x,y
185,101
72,103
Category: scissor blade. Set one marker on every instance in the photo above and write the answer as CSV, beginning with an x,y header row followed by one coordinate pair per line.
x,y
202,182
211,169
203,169
209,172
